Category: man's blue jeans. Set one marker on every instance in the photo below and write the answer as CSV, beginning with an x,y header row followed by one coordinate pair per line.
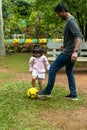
x,y
61,61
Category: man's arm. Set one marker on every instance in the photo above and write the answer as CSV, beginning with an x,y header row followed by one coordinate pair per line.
x,y
77,44
76,49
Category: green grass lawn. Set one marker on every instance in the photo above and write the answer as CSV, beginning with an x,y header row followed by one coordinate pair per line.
x,y
17,111
17,62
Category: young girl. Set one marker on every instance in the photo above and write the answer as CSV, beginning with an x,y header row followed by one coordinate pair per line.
x,y
38,64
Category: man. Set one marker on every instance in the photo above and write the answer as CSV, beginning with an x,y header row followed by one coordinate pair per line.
x,y
68,56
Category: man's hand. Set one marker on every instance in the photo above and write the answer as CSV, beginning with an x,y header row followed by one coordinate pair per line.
x,y
74,57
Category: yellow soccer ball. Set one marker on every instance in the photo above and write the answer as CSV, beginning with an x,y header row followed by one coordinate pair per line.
x,y
32,92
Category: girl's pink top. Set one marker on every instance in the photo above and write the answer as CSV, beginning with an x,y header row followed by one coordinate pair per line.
x,y
39,64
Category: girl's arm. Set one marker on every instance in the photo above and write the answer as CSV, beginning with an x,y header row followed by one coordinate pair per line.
x,y
31,62
46,63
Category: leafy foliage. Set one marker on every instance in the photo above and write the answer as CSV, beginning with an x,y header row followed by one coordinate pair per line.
x,y
18,47
40,17
79,9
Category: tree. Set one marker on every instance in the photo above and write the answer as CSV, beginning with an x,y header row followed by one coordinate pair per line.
x,y
79,10
2,46
15,15
40,17
43,20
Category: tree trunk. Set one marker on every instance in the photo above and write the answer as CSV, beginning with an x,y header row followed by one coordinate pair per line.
x,y
86,32
2,46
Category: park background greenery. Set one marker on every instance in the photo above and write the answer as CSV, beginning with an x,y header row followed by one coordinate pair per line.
x,y
37,19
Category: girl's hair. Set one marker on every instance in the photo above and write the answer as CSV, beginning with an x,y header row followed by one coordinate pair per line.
x,y
37,49
61,7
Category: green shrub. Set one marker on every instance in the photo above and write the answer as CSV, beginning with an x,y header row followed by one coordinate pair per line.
x,y
18,47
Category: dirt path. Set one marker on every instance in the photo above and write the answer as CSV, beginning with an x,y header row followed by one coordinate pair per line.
x,y
61,80
75,120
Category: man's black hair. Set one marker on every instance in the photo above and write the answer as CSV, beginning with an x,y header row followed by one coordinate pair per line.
x,y
61,7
